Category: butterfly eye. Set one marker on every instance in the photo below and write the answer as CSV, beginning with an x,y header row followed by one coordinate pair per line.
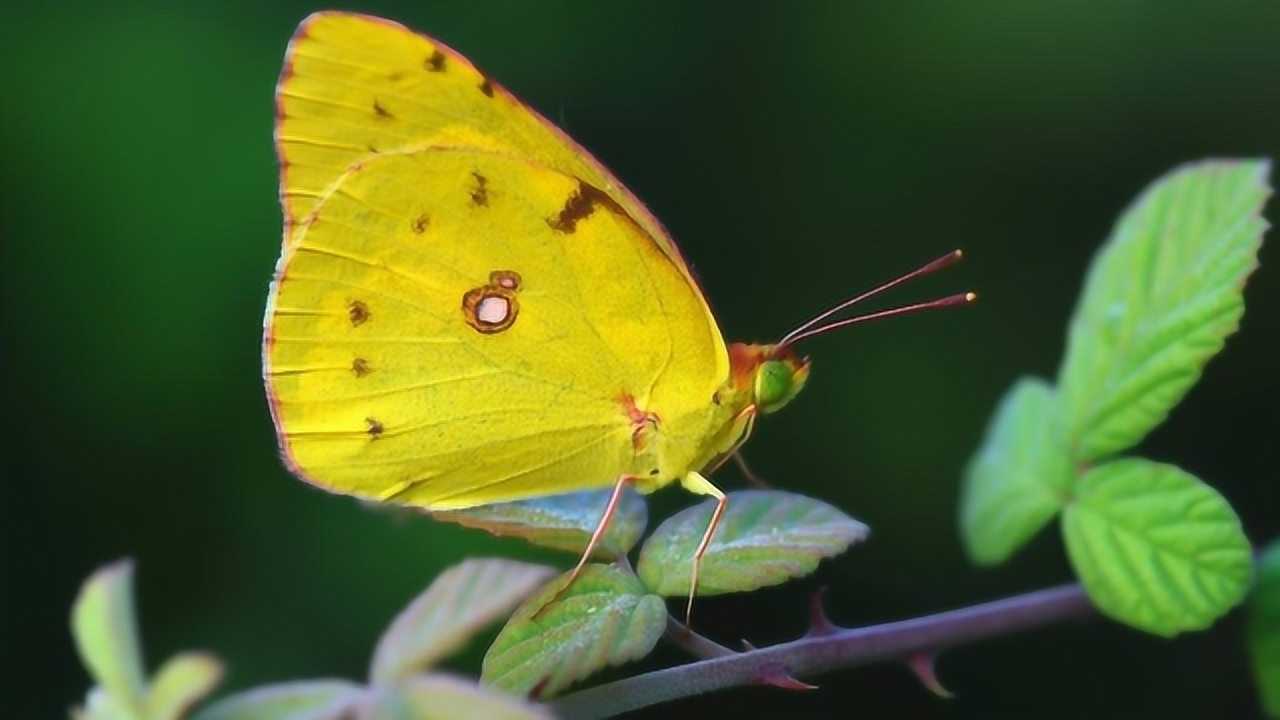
x,y
774,385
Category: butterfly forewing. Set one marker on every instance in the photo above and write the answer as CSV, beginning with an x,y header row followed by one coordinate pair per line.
x,y
354,85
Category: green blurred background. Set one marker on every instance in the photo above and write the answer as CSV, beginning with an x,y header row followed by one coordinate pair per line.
x,y
798,152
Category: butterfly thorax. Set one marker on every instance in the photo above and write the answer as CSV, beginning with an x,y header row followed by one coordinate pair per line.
x,y
760,381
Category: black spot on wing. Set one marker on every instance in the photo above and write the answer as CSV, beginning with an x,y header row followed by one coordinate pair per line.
x,y
436,62
579,206
486,87
480,192
358,312
381,111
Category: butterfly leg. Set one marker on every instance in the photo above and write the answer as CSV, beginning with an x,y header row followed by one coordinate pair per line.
x,y
695,483
748,418
601,527
752,479
596,535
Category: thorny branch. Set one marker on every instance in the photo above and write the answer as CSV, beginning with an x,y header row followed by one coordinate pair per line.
x,y
825,647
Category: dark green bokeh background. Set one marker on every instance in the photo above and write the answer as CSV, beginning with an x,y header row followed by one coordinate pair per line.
x,y
797,152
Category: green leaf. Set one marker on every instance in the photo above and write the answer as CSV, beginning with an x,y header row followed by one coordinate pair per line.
x,y
460,601
606,617
444,697
106,635
765,537
1159,301
99,705
1020,477
1156,548
180,683
563,522
300,700
1263,630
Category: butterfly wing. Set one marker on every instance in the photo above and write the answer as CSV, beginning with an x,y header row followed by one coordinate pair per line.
x,y
414,190
451,327
353,85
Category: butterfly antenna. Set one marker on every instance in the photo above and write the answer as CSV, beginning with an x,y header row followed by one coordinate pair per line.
x,y
810,328
948,301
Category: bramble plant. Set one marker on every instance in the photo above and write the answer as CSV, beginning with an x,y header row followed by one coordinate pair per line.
x,y
1153,546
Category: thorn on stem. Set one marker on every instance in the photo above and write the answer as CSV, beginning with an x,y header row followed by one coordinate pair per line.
x,y
535,693
922,665
777,676
819,623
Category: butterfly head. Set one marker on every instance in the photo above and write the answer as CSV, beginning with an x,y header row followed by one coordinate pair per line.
x,y
767,377
778,379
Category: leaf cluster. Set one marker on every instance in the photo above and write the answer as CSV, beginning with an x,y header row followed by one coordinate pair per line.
x,y
401,683
557,635
1155,547
612,614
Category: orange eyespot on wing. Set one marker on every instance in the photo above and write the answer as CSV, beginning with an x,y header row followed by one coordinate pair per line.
x,y
491,308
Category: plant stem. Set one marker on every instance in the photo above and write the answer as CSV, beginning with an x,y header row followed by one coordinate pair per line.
x,y
836,648
682,636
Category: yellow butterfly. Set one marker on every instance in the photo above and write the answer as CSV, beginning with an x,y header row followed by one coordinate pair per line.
x,y
470,309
